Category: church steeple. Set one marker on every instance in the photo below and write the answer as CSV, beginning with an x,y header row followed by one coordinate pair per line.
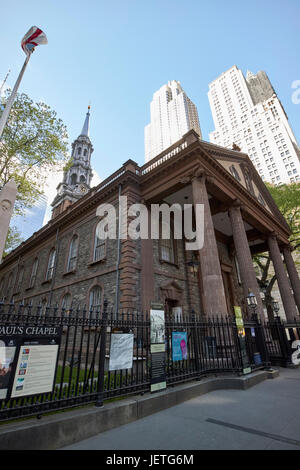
x,y
77,178
86,126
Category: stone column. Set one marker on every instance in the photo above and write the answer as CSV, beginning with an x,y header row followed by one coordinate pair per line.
x,y
7,201
282,279
214,301
293,274
244,257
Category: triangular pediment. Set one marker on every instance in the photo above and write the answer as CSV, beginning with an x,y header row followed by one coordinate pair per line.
x,y
239,165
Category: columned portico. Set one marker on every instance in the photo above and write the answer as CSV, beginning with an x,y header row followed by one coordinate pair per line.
x,y
282,279
293,275
214,301
244,258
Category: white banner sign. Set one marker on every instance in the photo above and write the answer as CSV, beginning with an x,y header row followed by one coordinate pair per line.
x,y
121,351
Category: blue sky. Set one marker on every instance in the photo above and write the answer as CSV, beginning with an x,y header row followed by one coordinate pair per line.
x,y
116,54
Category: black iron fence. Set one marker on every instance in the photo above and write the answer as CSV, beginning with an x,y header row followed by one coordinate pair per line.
x,y
82,374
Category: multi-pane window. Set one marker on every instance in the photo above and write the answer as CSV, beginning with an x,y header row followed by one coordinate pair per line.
x,y
66,302
73,251
99,248
33,273
51,264
10,279
234,172
95,301
20,279
43,309
2,288
167,251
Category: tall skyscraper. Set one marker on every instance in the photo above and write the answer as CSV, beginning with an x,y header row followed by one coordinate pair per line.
x,y
172,114
32,221
248,113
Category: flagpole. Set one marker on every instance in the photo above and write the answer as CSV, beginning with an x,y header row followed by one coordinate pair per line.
x,y
11,99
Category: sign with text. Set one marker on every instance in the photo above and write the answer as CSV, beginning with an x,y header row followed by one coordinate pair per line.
x,y
121,351
179,345
157,330
242,339
157,348
158,372
238,317
32,353
8,347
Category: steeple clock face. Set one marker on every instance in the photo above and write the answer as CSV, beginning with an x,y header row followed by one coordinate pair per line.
x,y
82,189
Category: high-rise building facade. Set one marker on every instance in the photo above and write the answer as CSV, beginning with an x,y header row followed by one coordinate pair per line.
x,y
248,113
172,114
32,220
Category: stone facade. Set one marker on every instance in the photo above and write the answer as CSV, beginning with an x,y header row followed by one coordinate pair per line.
x,y
133,273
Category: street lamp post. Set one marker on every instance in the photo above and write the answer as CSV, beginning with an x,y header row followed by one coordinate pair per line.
x,y
275,307
252,303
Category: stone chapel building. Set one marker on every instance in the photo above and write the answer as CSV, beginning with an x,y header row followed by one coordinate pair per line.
x,y
65,263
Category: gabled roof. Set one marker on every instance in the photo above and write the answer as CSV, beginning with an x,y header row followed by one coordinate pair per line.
x,y
226,157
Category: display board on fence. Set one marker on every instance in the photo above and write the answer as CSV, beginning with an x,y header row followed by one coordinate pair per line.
x,y
157,348
242,339
29,357
179,345
8,347
121,351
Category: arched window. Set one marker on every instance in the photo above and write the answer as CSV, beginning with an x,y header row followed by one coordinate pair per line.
x,y
99,247
79,151
234,172
73,179
51,264
66,302
2,288
95,300
167,249
33,272
85,153
82,179
72,260
10,279
20,278
44,306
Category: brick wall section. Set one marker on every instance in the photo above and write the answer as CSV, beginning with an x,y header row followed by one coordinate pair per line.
x,y
130,264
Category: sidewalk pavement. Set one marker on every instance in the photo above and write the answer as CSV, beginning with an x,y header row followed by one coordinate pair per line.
x,y
266,416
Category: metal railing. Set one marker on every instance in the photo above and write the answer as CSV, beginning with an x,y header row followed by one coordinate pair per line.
x,y
82,375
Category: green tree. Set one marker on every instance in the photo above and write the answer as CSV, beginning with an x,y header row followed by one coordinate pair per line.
x,y
287,198
33,144
13,240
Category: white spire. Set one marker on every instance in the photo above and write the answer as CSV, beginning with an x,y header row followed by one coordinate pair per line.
x,y
86,125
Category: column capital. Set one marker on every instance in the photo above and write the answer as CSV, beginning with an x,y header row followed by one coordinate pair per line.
x,y
288,247
198,173
237,204
273,236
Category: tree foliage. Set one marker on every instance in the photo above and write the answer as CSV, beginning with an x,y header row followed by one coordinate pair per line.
x,y
33,144
13,240
287,198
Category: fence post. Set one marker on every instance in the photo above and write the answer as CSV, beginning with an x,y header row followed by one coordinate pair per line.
x,y
261,341
195,340
100,391
283,341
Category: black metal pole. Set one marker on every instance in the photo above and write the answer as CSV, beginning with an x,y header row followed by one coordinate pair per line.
x,y
99,402
260,341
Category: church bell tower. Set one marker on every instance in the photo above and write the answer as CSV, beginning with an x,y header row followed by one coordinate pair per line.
x,y
77,178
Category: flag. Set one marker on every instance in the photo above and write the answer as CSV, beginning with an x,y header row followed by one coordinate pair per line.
x,y
32,38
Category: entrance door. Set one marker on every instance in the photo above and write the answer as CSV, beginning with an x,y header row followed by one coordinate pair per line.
x,y
227,282
169,305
